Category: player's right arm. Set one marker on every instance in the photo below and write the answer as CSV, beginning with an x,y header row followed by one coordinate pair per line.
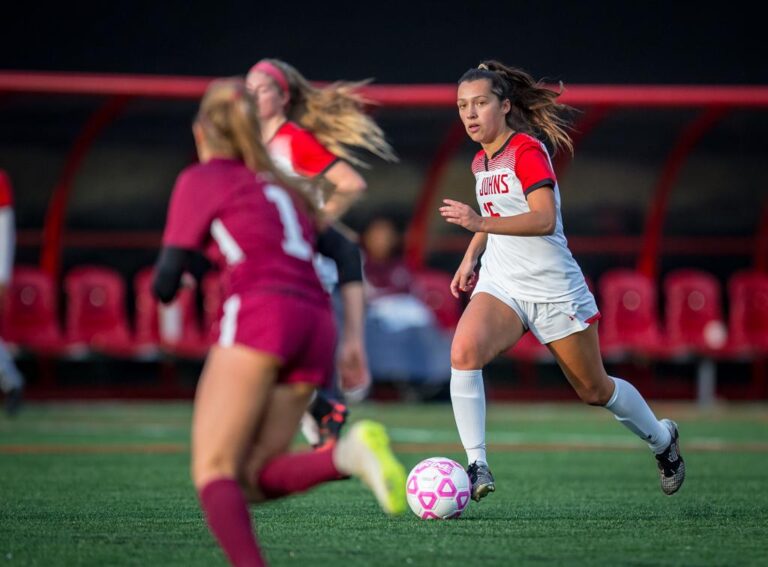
x,y
348,185
464,279
190,214
352,360
312,159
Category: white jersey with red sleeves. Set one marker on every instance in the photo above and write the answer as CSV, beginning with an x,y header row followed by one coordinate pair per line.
x,y
297,153
540,269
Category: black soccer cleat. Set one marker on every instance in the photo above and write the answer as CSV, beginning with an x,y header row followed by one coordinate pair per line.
x,y
330,416
670,462
482,480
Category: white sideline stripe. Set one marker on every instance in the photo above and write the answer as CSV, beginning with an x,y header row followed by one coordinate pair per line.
x,y
227,244
229,321
408,435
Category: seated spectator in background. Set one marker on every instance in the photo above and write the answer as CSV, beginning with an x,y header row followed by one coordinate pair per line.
x,y
403,339
11,381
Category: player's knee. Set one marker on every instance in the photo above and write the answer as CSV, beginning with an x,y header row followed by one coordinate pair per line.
x,y
210,467
594,395
466,354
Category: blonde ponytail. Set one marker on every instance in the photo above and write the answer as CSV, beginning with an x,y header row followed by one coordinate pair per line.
x,y
336,115
230,121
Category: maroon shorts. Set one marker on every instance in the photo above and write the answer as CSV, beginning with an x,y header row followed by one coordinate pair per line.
x,y
300,332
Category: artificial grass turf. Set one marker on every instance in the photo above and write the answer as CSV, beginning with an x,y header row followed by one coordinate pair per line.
x,y
573,488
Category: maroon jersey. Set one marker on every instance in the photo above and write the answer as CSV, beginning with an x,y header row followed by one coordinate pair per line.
x,y
257,231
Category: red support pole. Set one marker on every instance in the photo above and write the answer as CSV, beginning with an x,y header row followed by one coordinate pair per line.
x,y
648,262
416,236
53,230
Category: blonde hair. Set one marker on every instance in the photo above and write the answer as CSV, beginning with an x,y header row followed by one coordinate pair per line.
x,y
535,109
229,119
335,114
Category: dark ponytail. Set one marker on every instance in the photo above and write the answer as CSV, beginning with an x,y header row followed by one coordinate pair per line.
x,y
535,109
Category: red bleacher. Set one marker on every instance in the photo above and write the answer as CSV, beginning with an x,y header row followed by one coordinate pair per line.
x,y
694,323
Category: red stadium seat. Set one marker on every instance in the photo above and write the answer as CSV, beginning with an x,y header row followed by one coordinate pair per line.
x,y
528,348
629,314
748,307
147,331
174,327
30,317
433,287
96,314
693,312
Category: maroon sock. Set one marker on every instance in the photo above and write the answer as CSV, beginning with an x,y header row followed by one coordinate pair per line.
x,y
228,519
296,472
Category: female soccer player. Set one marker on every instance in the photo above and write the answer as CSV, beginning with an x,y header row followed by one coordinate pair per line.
x,y
276,335
310,133
528,280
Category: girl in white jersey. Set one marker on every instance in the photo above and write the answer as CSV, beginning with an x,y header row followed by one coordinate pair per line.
x,y
528,280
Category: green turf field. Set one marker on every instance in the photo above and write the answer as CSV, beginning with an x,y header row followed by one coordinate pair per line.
x,y
108,484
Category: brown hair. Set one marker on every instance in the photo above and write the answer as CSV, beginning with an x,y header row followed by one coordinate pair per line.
x,y
335,114
229,118
535,109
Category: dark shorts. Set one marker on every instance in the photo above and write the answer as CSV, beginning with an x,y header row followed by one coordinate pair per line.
x,y
300,332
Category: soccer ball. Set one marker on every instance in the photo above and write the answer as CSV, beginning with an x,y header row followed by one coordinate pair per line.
x,y
438,489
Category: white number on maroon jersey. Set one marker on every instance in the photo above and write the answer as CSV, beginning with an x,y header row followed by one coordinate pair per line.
x,y
293,240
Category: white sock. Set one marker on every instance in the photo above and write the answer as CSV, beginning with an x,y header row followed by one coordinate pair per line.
x,y
468,399
310,429
631,409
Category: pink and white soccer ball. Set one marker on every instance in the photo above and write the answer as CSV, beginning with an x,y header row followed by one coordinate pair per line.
x,y
438,489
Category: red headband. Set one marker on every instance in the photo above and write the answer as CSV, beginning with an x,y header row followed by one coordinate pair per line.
x,y
274,73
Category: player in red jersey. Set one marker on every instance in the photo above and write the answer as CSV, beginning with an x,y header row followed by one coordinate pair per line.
x,y
11,380
309,133
528,280
276,335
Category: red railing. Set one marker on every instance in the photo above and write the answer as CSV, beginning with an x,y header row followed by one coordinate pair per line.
x,y
714,101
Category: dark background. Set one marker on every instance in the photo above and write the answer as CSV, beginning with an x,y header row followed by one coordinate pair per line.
x,y
396,42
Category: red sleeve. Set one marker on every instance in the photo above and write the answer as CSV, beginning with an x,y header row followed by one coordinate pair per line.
x,y
310,157
533,168
6,195
192,209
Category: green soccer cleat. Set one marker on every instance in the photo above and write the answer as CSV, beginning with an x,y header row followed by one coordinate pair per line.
x,y
365,453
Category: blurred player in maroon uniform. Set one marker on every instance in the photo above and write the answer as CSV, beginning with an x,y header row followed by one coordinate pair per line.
x,y
276,336
11,380
310,133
